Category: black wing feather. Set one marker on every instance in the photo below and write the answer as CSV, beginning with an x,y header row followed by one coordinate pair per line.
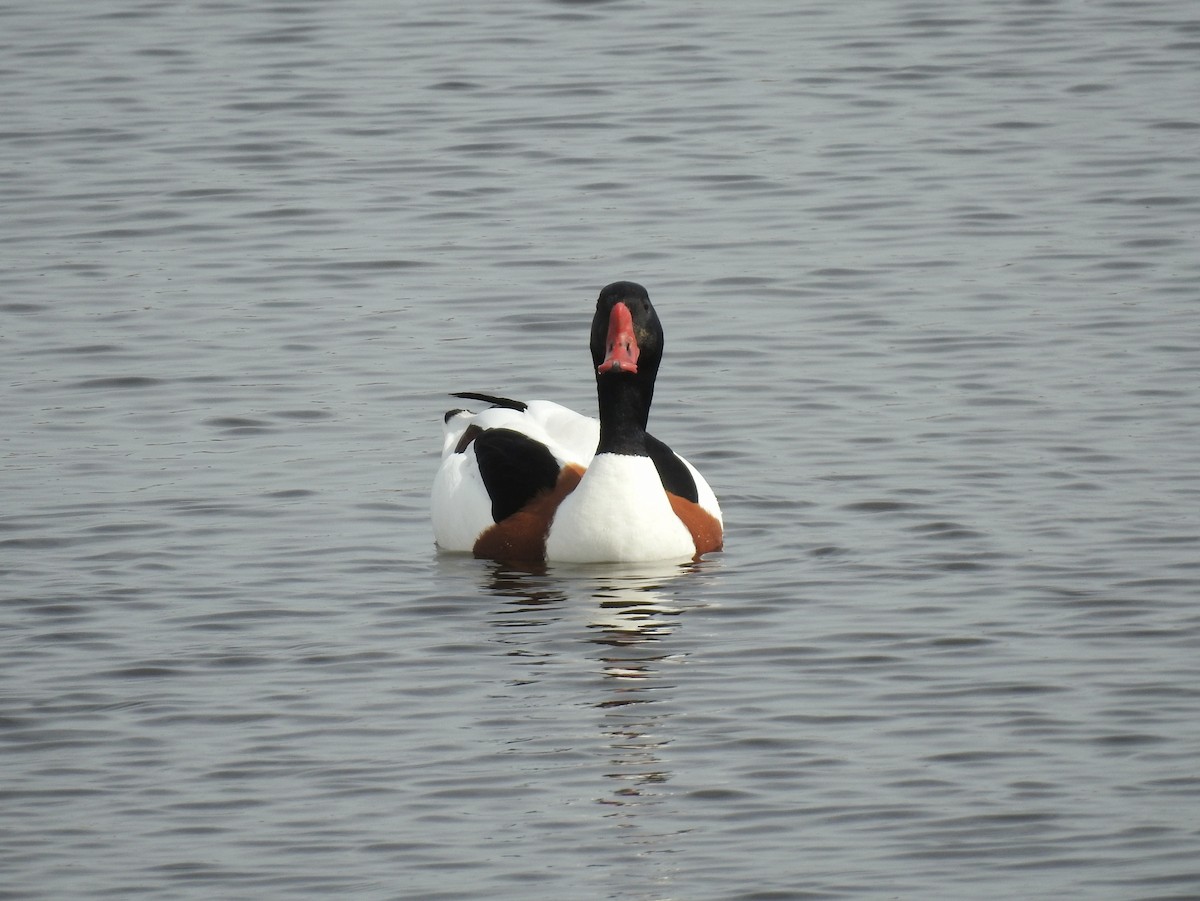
x,y
515,469
673,472
506,402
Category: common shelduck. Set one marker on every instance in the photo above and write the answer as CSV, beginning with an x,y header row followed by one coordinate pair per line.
x,y
534,482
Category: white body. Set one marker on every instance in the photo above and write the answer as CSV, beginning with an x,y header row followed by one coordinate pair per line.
x,y
619,511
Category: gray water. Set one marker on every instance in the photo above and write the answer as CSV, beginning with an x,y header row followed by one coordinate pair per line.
x,y
929,277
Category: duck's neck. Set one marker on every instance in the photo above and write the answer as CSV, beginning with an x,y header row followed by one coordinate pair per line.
x,y
624,412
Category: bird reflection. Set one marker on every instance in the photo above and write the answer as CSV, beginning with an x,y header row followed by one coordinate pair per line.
x,y
627,614
630,629
533,598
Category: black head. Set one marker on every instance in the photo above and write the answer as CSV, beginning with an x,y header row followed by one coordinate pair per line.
x,y
627,347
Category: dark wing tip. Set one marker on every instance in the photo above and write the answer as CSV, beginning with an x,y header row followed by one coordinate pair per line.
x,y
494,400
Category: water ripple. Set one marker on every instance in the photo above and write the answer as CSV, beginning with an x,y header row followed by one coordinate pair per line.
x,y
927,284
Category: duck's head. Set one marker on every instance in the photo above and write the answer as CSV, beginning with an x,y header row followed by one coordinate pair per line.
x,y
627,338
627,346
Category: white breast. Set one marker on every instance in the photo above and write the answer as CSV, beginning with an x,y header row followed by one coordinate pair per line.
x,y
619,512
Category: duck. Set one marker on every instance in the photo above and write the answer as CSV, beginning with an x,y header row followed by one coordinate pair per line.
x,y
536,482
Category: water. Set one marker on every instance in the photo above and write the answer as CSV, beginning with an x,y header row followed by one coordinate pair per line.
x,y
928,278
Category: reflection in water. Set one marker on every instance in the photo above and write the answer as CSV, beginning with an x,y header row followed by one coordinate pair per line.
x,y
533,602
627,614
534,598
629,629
